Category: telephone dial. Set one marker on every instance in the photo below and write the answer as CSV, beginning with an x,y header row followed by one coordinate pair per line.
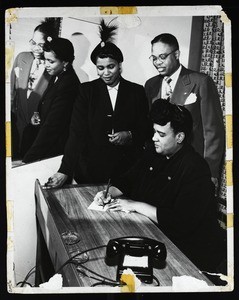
x,y
140,254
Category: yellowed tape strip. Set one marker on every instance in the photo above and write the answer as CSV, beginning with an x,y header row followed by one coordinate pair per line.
x,y
9,55
11,15
230,218
8,140
229,131
224,17
118,10
129,279
228,79
229,176
10,244
9,215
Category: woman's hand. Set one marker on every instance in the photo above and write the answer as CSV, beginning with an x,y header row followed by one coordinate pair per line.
x,y
118,203
126,205
35,119
120,138
113,192
102,199
55,181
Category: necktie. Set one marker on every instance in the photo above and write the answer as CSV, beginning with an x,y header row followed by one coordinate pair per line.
x,y
38,62
36,72
168,88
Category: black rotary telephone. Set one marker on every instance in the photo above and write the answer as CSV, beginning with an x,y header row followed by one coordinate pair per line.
x,y
140,254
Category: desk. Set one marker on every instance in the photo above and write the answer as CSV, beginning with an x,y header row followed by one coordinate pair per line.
x,y
59,210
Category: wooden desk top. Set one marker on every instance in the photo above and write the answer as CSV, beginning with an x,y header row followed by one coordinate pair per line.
x,y
59,210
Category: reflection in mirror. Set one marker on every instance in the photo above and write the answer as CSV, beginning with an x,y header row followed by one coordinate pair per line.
x,y
28,79
83,34
81,46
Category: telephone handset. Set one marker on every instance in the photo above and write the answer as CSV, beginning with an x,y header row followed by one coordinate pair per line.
x,y
140,254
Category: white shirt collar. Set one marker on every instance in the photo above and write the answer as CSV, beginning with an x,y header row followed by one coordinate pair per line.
x,y
175,76
116,87
113,92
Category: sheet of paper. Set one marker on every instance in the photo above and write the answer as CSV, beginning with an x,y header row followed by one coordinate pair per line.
x,y
95,206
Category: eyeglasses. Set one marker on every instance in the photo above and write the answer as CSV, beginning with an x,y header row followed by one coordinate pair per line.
x,y
33,43
161,57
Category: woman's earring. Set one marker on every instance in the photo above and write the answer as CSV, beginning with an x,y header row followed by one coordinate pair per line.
x,y
64,68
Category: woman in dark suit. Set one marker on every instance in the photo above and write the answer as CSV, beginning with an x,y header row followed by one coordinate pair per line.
x,y
56,105
109,121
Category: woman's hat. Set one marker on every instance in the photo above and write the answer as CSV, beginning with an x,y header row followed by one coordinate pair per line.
x,y
106,48
63,48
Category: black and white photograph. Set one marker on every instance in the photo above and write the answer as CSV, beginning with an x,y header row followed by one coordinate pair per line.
x,y
119,151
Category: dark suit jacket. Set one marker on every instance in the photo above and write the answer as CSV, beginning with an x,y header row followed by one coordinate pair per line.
x,y
208,137
89,142
21,107
55,112
182,191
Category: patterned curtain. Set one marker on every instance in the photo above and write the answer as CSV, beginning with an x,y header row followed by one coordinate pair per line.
x,y
213,64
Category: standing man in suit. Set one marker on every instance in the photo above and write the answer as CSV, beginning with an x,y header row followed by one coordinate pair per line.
x,y
197,92
29,80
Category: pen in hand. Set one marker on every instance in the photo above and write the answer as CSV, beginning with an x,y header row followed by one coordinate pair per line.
x,y
106,193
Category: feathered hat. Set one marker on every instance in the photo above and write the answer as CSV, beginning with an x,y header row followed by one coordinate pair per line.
x,y
106,48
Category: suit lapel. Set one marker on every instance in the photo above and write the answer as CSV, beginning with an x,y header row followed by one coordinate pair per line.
x,y
104,96
26,66
42,83
48,97
121,95
157,91
183,88
37,94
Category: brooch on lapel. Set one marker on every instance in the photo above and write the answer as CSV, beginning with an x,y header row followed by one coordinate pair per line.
x,y
191,99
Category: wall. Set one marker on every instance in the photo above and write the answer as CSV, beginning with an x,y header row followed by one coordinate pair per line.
x,y
134,42
21,32
20,187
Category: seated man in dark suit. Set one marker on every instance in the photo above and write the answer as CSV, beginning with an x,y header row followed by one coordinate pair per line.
x,y
197,92
172,186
